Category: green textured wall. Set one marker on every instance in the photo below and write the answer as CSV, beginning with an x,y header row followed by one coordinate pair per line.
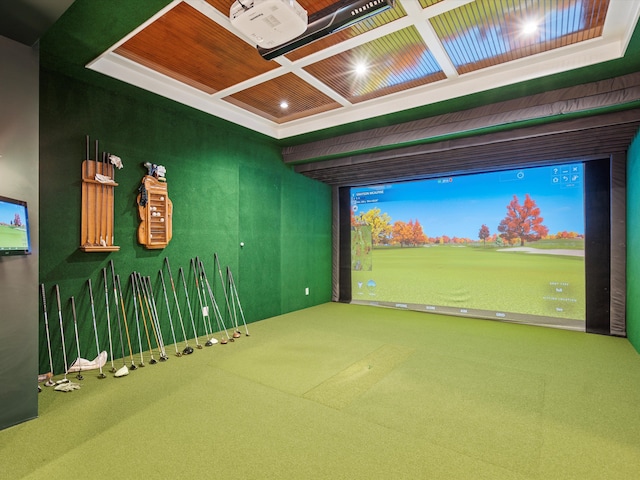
x,y
633,243
227,184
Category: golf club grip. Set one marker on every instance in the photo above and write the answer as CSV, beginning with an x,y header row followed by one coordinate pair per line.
x,y
58,297
44,299
73,308
90,290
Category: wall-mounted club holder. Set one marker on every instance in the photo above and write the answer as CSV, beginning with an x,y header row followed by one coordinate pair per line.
x,y
155,211
98,183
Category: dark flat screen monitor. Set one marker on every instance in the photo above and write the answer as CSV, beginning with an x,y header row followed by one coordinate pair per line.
x,y
14,227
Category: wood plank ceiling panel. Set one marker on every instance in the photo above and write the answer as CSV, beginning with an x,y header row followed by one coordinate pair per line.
x,y
186,45
395,62
266,99
485,33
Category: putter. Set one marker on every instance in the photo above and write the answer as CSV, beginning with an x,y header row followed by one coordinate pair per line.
x,y
75,327
49,382
95,327
64,348
106,302
126,325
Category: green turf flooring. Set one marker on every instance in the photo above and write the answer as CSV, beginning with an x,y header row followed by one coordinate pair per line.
x,y
351,392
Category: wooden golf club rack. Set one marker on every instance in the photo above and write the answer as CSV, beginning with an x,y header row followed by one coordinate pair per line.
x,y
96,232
155,213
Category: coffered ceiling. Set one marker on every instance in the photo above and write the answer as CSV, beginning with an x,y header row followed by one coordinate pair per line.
x,y
418,53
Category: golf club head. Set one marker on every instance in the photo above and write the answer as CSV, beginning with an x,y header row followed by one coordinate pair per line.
x,y
101,376
153,361
141,365
187,350
164,358
133,366
79,376
237,334
49,383
178,354
199,347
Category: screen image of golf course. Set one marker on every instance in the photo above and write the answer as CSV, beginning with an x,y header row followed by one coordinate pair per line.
x,y
13,228
506,245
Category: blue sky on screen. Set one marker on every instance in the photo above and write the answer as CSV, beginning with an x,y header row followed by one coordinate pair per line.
x,y
8,212
459,205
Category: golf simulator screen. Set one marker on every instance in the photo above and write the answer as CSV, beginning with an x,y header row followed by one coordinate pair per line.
x,y
506,245
14,227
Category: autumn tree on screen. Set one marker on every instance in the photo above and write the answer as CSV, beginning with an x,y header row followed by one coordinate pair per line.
x,y
410,233
522,222
379,222
484,233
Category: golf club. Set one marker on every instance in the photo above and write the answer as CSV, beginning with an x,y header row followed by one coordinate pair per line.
x,y
75,327
126,324
49,382
155,318
216,310
64,348
123,370
106,303
135,309
234,292
138,281
166,301
186,294
232,316
187,349
204,309
95,327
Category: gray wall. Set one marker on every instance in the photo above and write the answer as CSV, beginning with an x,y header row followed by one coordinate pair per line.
x,y
19,307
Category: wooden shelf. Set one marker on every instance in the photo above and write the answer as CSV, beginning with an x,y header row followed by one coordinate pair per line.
x,y
96,230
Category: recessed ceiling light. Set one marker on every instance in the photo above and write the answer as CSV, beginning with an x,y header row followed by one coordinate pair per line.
x,y
361,68
530,27
284,105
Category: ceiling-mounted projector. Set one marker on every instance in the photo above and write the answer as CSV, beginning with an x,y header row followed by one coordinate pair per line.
x,y
340,15
268,23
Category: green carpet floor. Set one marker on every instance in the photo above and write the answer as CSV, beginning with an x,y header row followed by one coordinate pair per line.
x,y
351,392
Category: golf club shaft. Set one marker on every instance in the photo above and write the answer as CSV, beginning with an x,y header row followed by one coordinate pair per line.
x,y
75,328
232,287
166,301
135,309
126,325
138,282
186,294
204,295
232,317
175,298
106,302
216,310
95,327
155,317
46,326
115,300
64,348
